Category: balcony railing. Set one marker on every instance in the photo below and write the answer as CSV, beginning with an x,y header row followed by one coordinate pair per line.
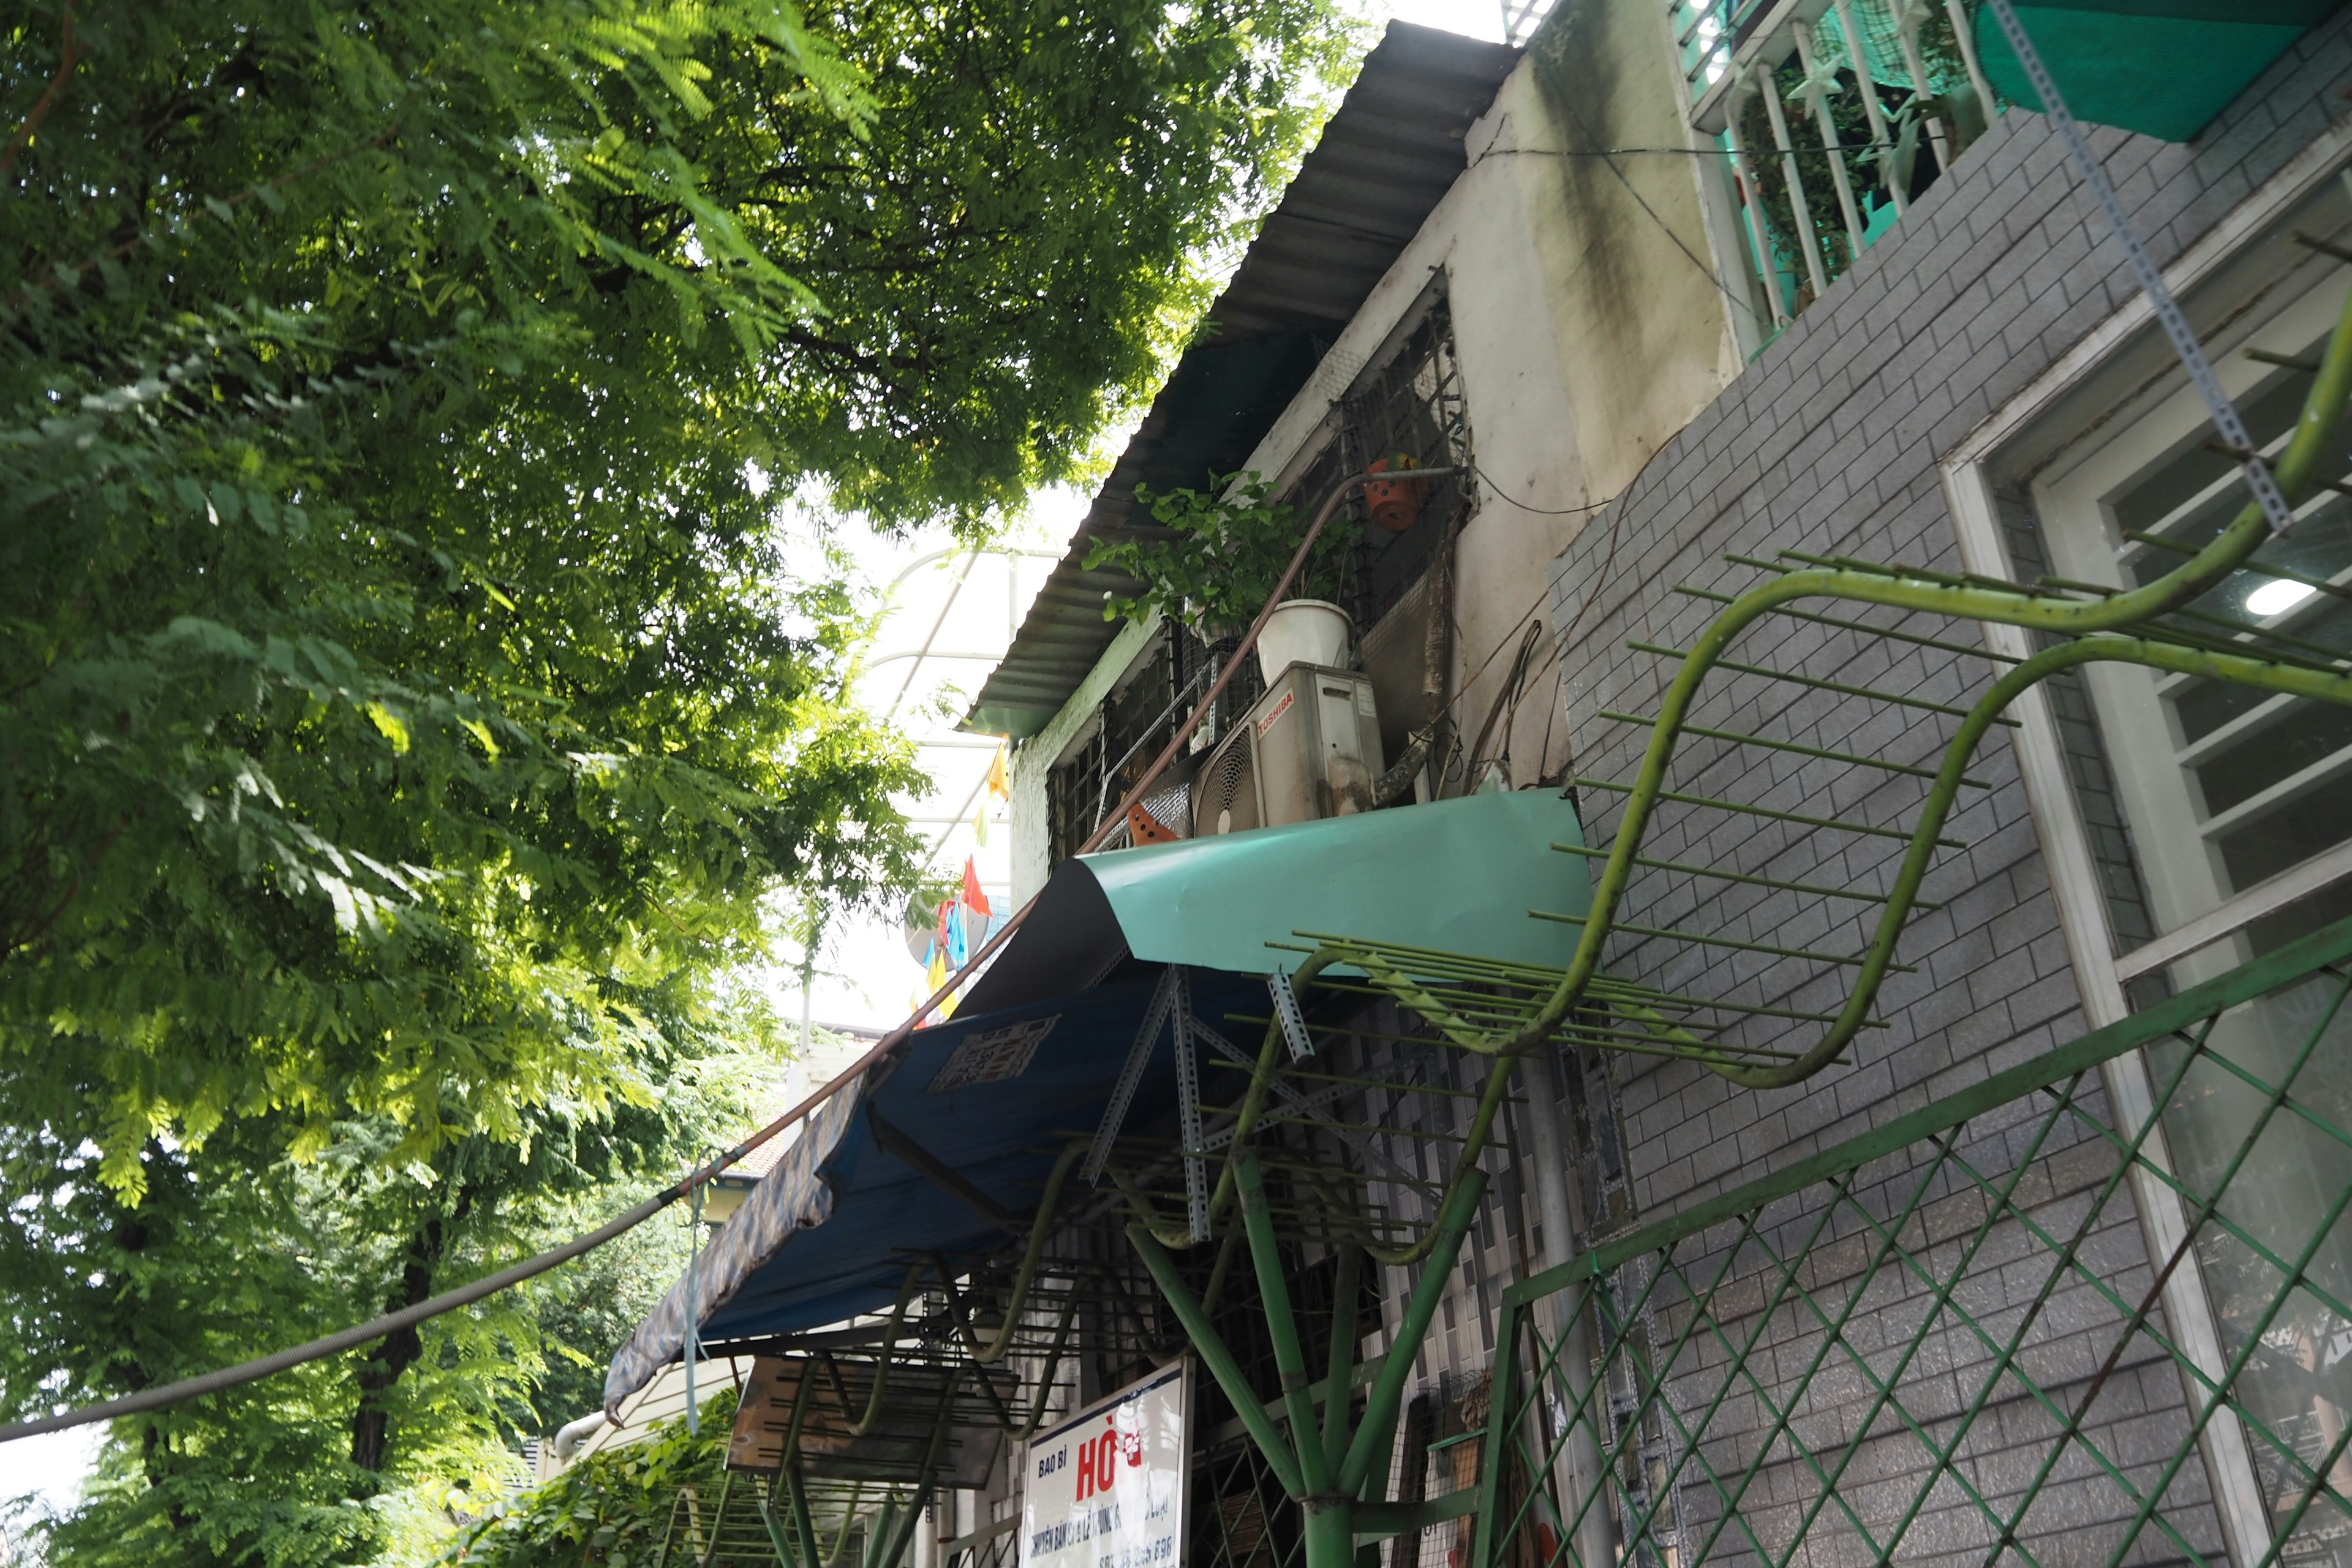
x,y
1833,115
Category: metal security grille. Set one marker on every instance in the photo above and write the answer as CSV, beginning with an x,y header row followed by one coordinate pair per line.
x,y
1945,1338
1241,1517
1407,414
1870,101
1132,725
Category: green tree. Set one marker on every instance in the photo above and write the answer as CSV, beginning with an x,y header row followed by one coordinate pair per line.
x,y
612,1509
405,706
1215,554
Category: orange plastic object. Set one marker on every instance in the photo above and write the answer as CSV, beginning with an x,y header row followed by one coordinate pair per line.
x,y
1143,827
1395,504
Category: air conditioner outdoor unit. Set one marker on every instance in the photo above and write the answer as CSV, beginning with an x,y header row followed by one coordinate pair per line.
x,y
1310,749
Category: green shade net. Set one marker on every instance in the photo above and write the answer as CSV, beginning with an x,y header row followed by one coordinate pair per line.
x,y
1456,876
2162,68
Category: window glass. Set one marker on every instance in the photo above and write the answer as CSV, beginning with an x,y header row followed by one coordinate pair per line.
x,y
2223,787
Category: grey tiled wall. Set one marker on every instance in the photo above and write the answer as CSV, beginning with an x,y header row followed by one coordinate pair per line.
x,y
1828,443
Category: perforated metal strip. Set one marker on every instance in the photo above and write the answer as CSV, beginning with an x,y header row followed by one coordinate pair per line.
x,y
1122,1094
1188,1109
2151,281
1285,1007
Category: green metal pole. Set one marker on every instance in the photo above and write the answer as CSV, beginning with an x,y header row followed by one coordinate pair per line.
x,y
1377,1432
1282,1328
1328,1504
717,1518
1330,1533
1878,961
1502,1400
1347,1287
895,1543
1217,1358
797,1507
776,1530
883,1536
2323,411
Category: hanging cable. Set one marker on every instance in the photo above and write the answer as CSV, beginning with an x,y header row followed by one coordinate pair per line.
x,y
358,1334
1507,498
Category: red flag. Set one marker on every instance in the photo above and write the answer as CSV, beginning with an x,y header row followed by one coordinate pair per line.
x,y
974,900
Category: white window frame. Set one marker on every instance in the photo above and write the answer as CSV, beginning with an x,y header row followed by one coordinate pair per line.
x,y
2187,891
2100,970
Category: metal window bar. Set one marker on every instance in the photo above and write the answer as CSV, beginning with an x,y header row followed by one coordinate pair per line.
x,y
1410,407
1945,1337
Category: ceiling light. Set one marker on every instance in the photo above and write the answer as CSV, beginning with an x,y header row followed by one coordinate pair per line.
x,y
2277,596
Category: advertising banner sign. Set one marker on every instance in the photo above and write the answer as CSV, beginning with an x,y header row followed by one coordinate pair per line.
x,y
1105,1489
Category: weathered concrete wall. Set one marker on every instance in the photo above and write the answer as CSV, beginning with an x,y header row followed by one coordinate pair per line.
x,y
1639,318
1588,326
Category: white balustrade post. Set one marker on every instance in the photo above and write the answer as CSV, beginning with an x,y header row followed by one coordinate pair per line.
x,y
1800,213
1752,203
1880,138
1818,90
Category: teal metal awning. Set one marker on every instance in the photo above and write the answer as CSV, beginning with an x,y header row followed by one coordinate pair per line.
x,y
2162,68
1455,876
1451,876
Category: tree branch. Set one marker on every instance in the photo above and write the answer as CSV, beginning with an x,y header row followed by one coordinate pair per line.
x,y
69,55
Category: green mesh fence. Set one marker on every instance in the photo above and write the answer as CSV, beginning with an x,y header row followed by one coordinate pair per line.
x,y
2022,1324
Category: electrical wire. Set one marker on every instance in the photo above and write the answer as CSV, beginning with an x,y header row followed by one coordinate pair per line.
x,y
1504,496
1513,685
1609,160
1568,633
358,1334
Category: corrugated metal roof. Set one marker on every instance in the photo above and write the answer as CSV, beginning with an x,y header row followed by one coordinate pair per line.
x,y
1386,158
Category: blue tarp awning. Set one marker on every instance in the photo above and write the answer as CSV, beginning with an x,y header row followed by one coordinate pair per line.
x,y
944,1147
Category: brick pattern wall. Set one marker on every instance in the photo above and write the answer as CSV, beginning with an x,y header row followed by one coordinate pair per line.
x,y
1827,444
1835,1423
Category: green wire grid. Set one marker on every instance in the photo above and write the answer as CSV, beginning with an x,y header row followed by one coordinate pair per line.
x,y
1831,946
1945,1338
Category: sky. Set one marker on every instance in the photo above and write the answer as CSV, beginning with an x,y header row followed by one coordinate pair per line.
x,y
1479,18
962,604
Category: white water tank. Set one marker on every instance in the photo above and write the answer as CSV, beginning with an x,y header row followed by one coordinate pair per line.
x,y
1302,631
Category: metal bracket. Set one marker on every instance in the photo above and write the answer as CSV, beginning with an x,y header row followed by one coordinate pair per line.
x,y
1292,1104
1188,1110
1122,1094
1300,1106
1285,1007
894,1141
